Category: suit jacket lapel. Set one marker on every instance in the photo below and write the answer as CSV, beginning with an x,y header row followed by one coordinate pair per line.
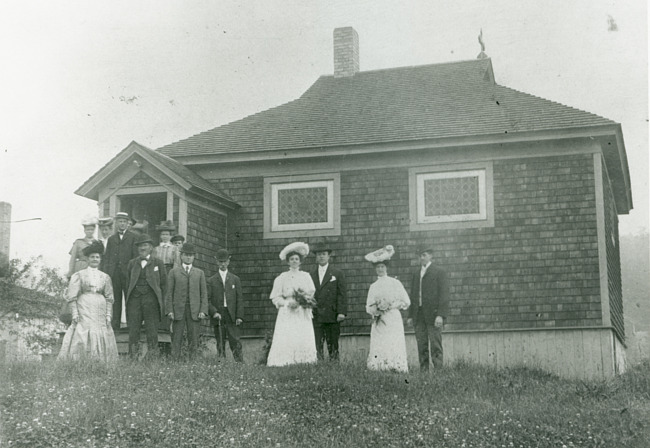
x,y
326,277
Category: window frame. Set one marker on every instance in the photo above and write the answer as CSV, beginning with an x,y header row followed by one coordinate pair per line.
x,y
272,229
417,176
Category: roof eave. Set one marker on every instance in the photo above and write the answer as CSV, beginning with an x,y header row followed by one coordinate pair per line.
x,y
388,146
622,193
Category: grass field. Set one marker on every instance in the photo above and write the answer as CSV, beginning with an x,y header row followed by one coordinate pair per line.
x,y
205,404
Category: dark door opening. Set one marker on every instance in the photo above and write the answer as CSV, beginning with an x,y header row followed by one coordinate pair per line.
x,y
146,208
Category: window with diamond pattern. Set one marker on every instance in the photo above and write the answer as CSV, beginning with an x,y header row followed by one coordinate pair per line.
x,y
452,196
302,205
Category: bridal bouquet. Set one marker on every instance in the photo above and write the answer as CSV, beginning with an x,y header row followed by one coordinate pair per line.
x,y
382,304
303,299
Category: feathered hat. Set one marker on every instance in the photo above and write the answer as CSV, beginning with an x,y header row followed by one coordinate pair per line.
x,y
381,255
298,247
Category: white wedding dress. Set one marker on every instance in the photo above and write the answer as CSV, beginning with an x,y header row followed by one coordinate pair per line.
x,y
387,342
293,337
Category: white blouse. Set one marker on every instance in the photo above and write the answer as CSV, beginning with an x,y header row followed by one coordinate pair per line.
x,y
286,284
390,293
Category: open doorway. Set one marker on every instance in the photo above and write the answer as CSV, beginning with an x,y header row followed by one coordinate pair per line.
x,y
150,209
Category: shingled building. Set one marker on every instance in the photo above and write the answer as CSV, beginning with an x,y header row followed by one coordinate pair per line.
x,y
519,196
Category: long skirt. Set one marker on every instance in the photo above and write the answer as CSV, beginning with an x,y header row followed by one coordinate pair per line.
x,y
90,337
387,343
293,338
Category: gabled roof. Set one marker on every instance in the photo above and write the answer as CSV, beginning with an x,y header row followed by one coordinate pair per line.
x,y
400,104
184,176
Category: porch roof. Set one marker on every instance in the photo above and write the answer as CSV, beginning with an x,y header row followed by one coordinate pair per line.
x,y
181,174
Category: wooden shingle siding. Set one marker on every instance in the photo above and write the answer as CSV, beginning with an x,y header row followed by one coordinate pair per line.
x,y
206,229
537,267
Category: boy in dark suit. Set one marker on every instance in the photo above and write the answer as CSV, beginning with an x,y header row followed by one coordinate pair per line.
x,y
120,249
331,302
429,305
186,301
226,307
147,280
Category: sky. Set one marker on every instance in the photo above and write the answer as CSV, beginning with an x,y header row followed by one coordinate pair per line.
x,y
80,80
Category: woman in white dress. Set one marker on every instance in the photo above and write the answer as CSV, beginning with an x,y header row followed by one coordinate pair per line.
x,y
386,297
90,295
292,294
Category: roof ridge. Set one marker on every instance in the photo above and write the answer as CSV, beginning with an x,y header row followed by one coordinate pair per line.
x,y
464,61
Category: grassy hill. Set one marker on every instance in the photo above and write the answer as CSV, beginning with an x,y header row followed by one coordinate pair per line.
x,y
203,404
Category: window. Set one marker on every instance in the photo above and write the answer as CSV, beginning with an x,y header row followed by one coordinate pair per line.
x,y
451,196
306,205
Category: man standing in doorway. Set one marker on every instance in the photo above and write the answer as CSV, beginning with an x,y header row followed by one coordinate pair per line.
x,y
429,305
147,280
331,303
120,249
105,230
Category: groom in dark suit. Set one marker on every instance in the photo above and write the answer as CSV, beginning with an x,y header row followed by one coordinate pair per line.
x,y
331,302
429,305
120,249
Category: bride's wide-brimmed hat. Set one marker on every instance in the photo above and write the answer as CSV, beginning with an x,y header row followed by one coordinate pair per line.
x,y
298,247
381,255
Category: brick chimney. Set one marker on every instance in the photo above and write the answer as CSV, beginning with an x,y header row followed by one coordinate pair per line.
x,y
5,236
346,52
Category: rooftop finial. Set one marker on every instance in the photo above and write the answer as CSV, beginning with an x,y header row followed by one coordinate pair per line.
x,y
482,54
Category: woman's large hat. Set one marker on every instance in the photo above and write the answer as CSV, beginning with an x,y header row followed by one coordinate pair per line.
x,y
381,255
89,221
105,222
298,247
96,247
166,225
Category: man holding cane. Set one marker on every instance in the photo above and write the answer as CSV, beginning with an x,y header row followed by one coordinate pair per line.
x,y
226,307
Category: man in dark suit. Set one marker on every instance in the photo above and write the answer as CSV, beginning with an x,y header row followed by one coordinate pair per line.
x,y
186,301
120,249
145,295
331,302
429,305
226,307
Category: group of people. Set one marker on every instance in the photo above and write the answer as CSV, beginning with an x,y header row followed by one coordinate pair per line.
x,y
312,305
158,285
161,285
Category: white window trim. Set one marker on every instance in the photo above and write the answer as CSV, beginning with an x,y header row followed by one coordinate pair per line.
x,y
272,185
276,188
417,176
421,206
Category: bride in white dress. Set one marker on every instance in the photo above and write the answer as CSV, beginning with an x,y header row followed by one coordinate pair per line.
x,y
293,338
386,297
